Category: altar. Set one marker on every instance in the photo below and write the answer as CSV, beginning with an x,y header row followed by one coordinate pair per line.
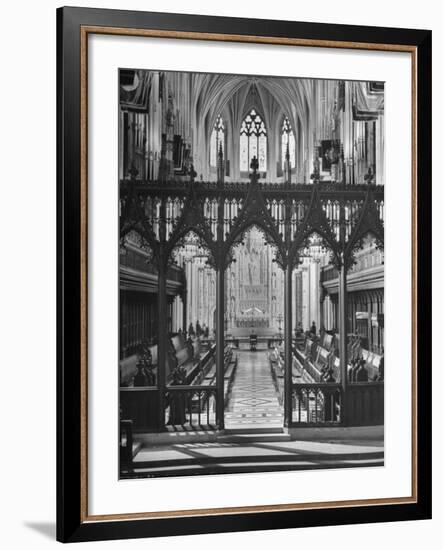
x,y
253,292
252,321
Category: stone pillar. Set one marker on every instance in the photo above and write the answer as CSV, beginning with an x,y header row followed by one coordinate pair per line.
x,y
370,330
169,140
288,346
342,299
220,347
305,298
314,293
379,150
162,344
174,327
220,320
170,314
322,324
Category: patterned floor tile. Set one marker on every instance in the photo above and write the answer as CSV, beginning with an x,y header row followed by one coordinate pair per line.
x,y
253,399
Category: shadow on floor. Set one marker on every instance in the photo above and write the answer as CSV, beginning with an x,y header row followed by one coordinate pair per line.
x,y
44,528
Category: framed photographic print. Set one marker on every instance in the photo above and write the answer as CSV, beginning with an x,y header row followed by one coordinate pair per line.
x,y
244,269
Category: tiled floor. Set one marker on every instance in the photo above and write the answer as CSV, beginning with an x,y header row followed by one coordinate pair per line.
x,y
253,402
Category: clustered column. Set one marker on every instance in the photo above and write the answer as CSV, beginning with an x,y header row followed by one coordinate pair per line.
x,y
162,343
220,346
342,316
343,332
288,345
220,322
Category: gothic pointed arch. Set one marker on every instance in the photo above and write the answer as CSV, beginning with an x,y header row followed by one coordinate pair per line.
x,y
254,212
191,235
314,221
133,218
144,232
368,224
191,219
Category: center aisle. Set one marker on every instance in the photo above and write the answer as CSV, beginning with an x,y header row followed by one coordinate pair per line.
x,y
253,401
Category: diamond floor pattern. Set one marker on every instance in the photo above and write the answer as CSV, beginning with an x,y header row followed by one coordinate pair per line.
x,y
253,401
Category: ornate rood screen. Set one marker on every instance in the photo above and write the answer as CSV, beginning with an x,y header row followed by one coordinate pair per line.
x,y
165,212
219,213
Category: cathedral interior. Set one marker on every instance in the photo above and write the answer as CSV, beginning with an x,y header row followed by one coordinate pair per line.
x,y
251,324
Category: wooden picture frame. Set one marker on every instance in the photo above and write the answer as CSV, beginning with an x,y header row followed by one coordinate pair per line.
x,y
74,25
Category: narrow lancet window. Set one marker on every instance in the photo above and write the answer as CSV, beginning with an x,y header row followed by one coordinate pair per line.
x,y
217,140
287,142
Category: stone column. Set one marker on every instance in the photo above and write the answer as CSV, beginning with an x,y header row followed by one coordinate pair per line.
x,y
342,300
162,344
184,312
288,345
220,347
220,320
314,293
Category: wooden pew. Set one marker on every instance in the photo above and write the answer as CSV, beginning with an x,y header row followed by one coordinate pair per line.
x,y
186,355
139,405
128,367
372,364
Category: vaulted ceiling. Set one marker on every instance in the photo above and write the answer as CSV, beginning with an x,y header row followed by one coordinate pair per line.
x,y
236,94
197,99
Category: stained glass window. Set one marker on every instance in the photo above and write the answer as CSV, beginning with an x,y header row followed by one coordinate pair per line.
x,y
217,139
253,142
287,137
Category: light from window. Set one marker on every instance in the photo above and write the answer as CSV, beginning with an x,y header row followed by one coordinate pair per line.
x,y
253,142
287,138
217,139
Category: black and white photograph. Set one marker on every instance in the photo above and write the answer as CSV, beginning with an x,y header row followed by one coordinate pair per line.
x,y
221,271
251,273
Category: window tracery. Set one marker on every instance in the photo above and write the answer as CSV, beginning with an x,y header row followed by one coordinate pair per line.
x,y
253,141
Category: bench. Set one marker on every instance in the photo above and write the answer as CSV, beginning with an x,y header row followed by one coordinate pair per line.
x,y
373,365
299,340
275,341
318,362
139,405
128,367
